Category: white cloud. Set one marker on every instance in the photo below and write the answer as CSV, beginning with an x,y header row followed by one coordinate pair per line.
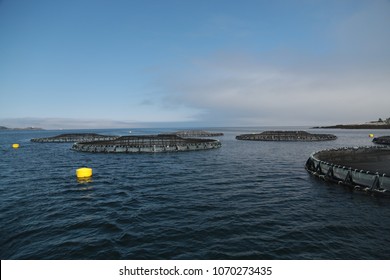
x,y
348,84
65,123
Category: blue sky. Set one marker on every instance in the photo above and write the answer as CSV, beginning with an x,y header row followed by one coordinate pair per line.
x,y
95,63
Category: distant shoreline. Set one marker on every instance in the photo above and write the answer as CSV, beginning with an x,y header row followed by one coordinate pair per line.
x,y
25,128
357,126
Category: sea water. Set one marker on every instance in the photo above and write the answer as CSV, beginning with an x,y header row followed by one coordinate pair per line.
x,y
245,200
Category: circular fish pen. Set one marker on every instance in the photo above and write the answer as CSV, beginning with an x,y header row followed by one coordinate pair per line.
x,y
196,133
147,144
361,169
286,136
383,140
74,137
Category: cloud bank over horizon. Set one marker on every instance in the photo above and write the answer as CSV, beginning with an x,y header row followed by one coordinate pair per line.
x,y
346,84
71,123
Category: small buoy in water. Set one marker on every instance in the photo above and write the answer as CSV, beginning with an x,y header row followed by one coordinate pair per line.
x,y
84,172
15,146
371,135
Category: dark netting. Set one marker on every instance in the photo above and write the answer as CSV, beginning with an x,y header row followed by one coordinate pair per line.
x,y
74,137
363,168
196,133
286,136
383,140
147,143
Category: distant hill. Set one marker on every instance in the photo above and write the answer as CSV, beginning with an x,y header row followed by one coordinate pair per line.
x,y
379,124
25,128
357,126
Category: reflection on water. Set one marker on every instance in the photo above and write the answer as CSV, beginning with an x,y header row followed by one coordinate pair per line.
x,y
84,180
246,200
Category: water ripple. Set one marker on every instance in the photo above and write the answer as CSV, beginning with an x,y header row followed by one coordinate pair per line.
x,y
246,200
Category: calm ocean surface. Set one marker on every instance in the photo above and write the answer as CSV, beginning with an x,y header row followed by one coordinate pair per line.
x,y
246,200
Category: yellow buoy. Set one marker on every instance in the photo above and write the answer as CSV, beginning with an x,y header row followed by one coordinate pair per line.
x,y
15,146
371,135
84,172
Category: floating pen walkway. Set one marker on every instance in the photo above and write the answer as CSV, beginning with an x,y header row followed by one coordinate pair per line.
x,y
286,136
383,140
364,169
147,144
74,137
196,133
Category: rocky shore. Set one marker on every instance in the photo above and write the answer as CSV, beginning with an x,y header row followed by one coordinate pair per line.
x,y
379,124
357,126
